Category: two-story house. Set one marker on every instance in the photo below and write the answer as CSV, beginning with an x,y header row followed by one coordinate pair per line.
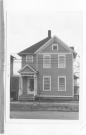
x,y
47,70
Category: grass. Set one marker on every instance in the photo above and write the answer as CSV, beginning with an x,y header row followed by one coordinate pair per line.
x,y
65,107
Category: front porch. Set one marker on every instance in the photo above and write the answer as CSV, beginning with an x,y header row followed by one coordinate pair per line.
x,y
27,84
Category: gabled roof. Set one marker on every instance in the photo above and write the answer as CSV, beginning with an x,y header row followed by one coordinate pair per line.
x,y
34,47
27,69
57,40
43,43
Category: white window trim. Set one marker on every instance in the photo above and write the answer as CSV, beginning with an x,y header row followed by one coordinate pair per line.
x,y
44,66
27,58
50,83
64,60
65,82
55,44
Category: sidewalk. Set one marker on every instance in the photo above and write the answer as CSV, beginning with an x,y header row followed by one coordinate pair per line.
x,y
45,115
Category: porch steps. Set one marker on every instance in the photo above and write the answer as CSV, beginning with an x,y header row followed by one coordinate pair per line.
x,y
29,97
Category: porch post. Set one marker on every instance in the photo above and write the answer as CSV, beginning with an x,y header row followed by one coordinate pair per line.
x,y
35,85
20,86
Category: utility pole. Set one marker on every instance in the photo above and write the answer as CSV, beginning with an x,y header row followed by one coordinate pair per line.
x,y
1,67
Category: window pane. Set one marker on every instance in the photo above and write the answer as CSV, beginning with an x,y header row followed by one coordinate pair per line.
x,y
46,83
61,83
55,47
47,61
61,63
29,58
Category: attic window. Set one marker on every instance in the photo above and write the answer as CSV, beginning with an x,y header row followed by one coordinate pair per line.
x,y
55,47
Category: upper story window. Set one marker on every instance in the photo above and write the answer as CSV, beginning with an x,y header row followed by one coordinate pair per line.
x,y
61,61
55,47
46,61
29,58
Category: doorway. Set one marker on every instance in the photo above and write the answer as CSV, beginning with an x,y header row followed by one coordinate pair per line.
x,y
30,86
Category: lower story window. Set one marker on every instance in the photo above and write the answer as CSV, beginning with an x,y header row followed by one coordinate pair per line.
x,y
62,83
46,83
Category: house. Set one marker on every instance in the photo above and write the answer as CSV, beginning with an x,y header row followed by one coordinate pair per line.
x,y
47,70
11,64
76,87
14,81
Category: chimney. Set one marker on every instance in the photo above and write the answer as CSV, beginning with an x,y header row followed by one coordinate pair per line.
x,y
49,33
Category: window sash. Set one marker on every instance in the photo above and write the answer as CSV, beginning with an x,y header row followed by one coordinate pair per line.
x,y
56,46
29,58
62,83
46,83
46,61
61,61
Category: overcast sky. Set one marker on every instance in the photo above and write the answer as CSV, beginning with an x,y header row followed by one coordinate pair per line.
x,y
25,29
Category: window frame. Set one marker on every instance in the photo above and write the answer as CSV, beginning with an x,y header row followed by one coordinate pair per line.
x,y
50,83
59,66
55,44
27,60
44,66
65,83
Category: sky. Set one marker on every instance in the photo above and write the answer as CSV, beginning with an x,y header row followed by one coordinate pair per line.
x,y
26,29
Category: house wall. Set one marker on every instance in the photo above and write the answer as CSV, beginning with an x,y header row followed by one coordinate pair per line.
x,y
54,71
24,62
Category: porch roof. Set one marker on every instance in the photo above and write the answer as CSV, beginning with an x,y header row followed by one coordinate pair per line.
x,y
28,70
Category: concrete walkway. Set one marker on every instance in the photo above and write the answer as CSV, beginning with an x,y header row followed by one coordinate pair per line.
x,y
45,115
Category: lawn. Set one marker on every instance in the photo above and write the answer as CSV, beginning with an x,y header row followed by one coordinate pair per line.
x,y
44,106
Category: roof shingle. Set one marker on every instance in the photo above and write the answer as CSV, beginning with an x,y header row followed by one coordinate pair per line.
x,y
34,47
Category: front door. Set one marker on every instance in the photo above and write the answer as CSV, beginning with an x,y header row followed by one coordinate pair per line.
x,y
30,86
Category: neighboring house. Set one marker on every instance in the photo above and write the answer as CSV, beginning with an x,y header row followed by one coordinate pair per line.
x,y
11,65
47,70
14,81
76,87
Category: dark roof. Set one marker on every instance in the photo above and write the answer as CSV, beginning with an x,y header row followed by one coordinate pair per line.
x,y
34,47
74,53
12,57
